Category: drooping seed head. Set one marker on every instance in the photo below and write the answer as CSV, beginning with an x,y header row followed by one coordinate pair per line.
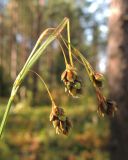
x,y
107,107
71,80
60,121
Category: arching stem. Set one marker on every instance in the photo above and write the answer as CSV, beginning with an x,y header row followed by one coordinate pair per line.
x,y
65,59
51,98
69,42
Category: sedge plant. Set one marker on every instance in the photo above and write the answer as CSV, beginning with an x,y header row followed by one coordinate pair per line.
x,y
70,78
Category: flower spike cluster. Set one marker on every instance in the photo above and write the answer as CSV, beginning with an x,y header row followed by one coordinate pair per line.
x,y
60,121
71,81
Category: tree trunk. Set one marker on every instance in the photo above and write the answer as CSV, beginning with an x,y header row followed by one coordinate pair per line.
x,y
118,77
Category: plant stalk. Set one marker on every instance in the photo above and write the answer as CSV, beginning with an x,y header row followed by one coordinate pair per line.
x,y
34,56
69,42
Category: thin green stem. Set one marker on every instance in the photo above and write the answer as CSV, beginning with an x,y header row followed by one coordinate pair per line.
x,y
69,42
67,48
65,59
5,116
78,53
4,120
88,67
45,86
64,41
86,63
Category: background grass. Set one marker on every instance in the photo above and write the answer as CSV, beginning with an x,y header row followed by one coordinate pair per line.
x,y
29,135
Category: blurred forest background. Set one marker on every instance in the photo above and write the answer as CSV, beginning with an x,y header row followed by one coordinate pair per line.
x,y
29,135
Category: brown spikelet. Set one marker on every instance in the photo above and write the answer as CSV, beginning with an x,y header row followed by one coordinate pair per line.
x,y
73,84
60,121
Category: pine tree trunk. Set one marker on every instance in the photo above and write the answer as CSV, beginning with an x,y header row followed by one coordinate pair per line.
x,y
118,77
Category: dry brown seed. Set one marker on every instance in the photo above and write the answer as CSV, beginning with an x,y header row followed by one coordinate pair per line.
x,y
111,107
52,117
58,130
62,125
55,123
64,75
69,74
98,76
98,79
